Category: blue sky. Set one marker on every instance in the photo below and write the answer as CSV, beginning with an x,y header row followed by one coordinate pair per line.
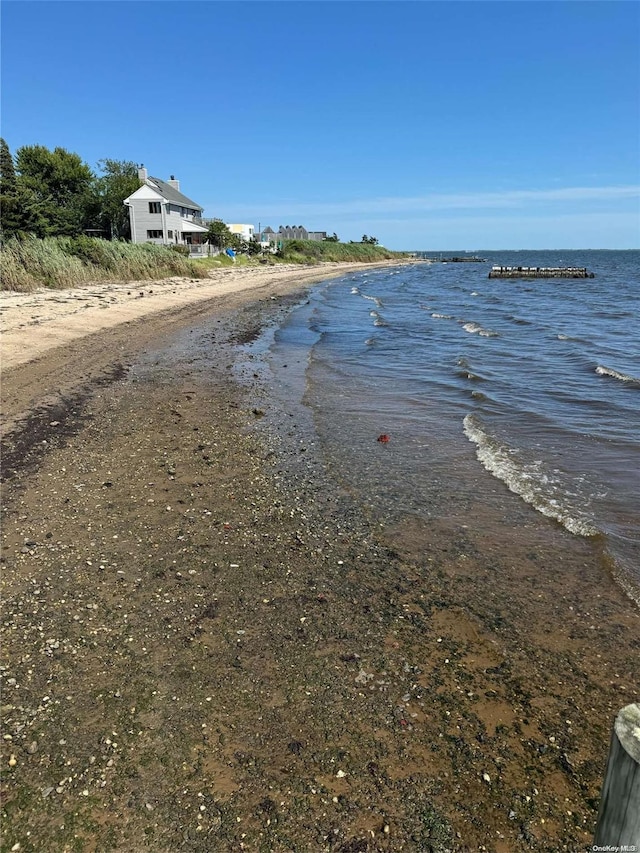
x,y
444,125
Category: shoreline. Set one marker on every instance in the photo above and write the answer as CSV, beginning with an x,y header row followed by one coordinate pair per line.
x,y
210,646
48,332
67,315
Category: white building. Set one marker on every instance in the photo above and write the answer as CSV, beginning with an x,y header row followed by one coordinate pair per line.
x,y
245,232
160,213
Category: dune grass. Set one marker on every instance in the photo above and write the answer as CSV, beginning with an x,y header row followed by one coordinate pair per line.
x,y
310,251
62,262
31,263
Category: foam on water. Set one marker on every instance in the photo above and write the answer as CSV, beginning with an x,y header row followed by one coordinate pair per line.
x,y
614,374
378,320
477,329
375,299
529,480
558,369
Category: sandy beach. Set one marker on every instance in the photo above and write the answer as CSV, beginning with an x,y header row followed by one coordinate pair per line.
x,y
208,646
32,323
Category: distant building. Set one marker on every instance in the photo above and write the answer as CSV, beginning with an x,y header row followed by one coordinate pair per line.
x,y
293,232
268,238
246,232
160,213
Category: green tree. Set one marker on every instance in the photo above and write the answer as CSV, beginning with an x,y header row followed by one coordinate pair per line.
x,y
252,247
9,223
333,239
62,186
218,235
118,180
8,180
20,211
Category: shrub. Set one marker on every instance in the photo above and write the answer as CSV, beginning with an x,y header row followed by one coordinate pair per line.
x,y
180,249
310,251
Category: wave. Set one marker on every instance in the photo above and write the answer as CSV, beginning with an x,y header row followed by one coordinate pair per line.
x,y
441,316
528,480
378,320
477,329
466,372
355,290
375,299
621,377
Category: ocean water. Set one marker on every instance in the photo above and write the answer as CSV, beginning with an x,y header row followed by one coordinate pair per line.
x,y
493,394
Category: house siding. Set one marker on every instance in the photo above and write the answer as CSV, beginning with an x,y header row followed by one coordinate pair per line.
x,y
171,218
145,221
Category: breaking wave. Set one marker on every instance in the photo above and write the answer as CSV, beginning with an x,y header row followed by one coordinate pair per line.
x,y
621,377
375,299
466,372
476,329
378,320
530,481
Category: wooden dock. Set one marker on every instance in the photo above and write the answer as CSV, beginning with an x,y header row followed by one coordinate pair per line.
x,y
540,272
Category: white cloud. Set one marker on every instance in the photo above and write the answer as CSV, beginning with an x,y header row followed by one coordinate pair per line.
x,y
291,210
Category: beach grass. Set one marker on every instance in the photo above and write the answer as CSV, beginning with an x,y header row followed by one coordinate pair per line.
x,y
65,262
310,251
57,263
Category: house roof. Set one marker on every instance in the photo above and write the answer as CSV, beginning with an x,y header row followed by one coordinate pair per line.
x,y
190,227
172,194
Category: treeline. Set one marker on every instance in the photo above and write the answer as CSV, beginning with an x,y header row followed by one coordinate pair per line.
x,y
48,193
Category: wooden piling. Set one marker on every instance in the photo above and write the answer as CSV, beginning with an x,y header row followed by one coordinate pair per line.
x,y
540,272
618,824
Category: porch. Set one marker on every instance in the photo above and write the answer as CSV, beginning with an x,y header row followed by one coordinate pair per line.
x,y
194,236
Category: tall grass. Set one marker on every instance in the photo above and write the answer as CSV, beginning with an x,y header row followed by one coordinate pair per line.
x,y
62,262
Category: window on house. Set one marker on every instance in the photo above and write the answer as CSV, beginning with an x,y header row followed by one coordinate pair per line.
x,y
154,234
170,235
155,207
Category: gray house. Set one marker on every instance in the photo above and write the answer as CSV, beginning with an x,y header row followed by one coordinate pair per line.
x,y
293,232
160,213
268,238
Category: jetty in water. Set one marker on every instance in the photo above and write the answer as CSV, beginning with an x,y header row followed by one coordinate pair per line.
x,y
540,272
454,259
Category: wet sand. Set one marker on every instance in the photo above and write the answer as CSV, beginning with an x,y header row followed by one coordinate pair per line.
x,y
208,645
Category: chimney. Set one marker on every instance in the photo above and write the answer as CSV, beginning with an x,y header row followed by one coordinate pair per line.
x,y
142,173
173,183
